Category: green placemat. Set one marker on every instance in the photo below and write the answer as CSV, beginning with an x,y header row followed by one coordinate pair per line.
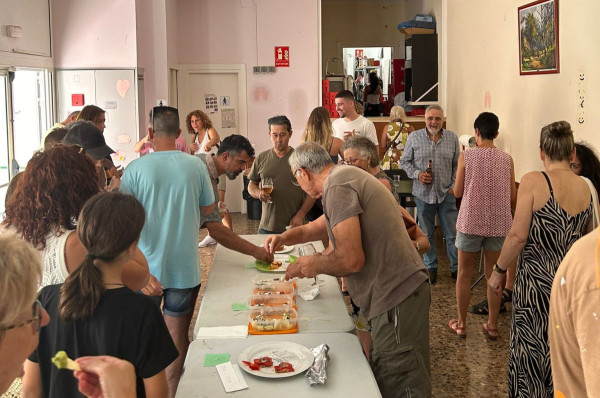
x,y
239,306
215,359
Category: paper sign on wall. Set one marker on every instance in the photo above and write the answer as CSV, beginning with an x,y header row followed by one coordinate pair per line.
x,y
228,118
211,103
282,56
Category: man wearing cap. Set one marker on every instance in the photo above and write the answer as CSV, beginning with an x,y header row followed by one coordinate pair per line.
x,y
90,138
174,188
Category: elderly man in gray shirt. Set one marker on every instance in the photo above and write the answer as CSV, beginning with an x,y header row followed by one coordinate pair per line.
x,y
430,159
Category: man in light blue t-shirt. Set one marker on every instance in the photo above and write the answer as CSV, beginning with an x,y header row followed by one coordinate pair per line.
x,y
174,189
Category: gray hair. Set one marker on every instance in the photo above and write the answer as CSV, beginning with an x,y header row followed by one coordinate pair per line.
x,y
365,148
310,156
20,275
435,107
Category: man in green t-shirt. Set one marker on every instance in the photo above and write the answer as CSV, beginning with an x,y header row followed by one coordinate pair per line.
x,y
286,204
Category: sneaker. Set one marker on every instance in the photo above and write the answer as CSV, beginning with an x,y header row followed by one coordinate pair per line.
x,y
207,241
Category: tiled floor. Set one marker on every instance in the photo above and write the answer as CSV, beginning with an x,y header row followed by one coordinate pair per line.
x,y
471,367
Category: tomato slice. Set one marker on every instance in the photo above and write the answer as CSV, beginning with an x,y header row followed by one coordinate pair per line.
x,y
283,367
251,365
264,362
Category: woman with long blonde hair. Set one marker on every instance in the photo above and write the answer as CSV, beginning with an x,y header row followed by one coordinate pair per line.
x,y
319,130
392,138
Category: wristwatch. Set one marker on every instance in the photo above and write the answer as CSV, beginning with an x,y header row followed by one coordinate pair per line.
x,y
499,270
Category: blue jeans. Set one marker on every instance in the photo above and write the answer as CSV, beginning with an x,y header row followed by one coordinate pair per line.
x,y
447,214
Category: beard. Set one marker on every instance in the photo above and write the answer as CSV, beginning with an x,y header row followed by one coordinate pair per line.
x,y
232,175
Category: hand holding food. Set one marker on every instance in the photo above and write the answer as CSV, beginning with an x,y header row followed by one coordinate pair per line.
x,y
62,361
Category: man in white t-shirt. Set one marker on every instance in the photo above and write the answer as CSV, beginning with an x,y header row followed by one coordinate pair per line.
x,y
351,123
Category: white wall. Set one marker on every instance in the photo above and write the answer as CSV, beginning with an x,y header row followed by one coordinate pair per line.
x,y
94,34
483,57
151,33
246,32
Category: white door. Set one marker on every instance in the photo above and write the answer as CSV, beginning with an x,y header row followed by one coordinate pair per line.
x,y
215,93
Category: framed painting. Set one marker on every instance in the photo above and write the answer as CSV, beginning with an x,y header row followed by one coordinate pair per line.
x,y
538,37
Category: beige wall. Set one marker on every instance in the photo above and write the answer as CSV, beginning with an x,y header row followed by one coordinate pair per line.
x,y
246,32
349,23
483,57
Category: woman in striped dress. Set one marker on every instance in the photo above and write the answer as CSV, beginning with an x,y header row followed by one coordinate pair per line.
x,y
554,209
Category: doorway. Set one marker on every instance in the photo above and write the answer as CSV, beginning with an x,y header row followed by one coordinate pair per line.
x,y
24,116
220,92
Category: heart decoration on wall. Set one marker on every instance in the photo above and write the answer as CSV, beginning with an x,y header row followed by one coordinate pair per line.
x,y
123,86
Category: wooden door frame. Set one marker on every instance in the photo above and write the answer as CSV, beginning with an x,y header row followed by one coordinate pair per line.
x,y
183,78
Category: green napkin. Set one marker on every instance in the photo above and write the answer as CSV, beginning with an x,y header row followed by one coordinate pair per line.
x,y
239,306
215,359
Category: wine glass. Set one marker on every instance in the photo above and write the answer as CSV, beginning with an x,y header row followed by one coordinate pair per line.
x,y
267,187
308,250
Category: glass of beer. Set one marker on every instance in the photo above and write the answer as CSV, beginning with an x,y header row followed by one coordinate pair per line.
x,y
267,187
222,208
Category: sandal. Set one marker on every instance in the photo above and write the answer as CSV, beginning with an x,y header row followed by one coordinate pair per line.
x,y
460,331
492,334
507,296
482,308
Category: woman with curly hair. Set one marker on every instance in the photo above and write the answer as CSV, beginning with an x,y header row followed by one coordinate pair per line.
x,y
206,137
44,208
95,115
206,140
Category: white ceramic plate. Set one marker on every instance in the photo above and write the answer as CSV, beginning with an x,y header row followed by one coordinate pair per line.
x,y
285,249
284,264
299,356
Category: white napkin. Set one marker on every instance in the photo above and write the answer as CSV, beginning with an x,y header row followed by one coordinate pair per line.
x,y
223,332
309,293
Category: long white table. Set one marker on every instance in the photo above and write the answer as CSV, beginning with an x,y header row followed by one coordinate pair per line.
x,y
348,372
229,282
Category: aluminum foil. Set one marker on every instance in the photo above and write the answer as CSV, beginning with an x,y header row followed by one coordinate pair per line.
x,y
317,374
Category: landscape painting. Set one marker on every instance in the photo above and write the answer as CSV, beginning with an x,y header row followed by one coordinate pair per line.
x,y
538,37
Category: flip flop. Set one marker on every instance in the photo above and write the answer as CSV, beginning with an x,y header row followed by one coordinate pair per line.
x,y
492,334
460,331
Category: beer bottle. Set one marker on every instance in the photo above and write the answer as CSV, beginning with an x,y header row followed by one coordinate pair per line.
x,y
429,169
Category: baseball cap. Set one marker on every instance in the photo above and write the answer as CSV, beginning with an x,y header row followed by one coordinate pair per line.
x,y
88,136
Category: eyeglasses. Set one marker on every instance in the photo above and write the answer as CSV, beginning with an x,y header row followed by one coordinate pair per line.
x,y
351,161
294,179
575,167
36,320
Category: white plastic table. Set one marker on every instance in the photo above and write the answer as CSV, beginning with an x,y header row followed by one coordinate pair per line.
x,y
348,373
229,282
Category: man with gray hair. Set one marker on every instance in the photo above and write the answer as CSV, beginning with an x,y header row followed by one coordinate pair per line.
x,y
174,188
430,159
371,248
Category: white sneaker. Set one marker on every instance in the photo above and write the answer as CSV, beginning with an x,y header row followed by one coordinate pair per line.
x,y
207,241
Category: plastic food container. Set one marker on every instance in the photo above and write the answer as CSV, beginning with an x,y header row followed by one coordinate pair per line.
x,y
272,320
273,286
271,300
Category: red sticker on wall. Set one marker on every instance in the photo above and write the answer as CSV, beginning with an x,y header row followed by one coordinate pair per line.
x,y
282,56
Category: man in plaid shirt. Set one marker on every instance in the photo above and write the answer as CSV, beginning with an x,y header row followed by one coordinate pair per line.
x,y
433,191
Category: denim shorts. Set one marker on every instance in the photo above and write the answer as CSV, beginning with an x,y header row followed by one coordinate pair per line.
x,y
474,243
177,302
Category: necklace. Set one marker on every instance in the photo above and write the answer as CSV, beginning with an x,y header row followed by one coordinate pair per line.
x,y
114,284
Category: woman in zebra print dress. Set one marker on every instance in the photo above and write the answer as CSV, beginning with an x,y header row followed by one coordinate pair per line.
x,y
554,209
